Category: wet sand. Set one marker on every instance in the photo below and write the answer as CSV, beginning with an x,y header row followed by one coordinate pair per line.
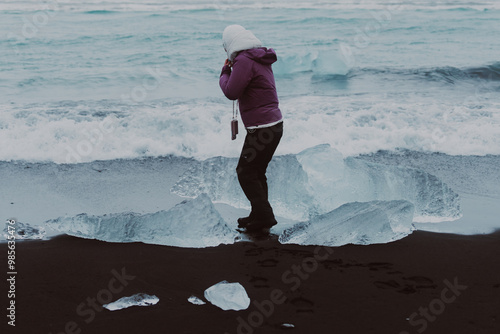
x,y
427,282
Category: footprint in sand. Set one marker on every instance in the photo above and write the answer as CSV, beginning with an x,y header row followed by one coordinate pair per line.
x,y
408,289
421,282
330,264
268,263
392,284
259,282
387,284
253,252
375,266
413,284
394,272
302,304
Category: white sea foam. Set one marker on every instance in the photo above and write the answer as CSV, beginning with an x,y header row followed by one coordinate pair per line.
x,y
201,130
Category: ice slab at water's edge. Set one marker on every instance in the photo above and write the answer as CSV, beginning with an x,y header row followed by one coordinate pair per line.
x,y
354,223
319,180
196,223
191,223
23,231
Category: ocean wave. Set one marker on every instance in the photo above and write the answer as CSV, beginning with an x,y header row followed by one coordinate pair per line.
x,y
100,7
63,74
490,72
453,74
83,131
448,74
101,11
331,62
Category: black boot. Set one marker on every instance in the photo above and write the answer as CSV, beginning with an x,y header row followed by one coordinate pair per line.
x,y
243,222
258,224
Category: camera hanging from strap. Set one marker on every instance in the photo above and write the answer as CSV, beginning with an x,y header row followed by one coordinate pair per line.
x,y
234,123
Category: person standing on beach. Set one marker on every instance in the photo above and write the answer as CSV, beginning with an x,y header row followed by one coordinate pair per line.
x,y
247,76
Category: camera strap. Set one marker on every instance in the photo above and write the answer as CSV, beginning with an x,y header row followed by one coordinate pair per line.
x,y
235,111
234,122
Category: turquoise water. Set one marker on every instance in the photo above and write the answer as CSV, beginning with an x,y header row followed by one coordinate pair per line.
x,y
87,80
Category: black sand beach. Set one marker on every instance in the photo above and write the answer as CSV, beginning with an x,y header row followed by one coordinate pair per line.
x,y
426,282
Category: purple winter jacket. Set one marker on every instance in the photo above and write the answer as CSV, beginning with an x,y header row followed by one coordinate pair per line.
x,y
251,81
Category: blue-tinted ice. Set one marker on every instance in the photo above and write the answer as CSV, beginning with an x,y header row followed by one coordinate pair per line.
x,y
139,299
338,200
361,223
191,223
319,180
23,231
228,296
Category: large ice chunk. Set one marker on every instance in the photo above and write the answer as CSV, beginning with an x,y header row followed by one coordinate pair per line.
x,y
191,223
217,177
139,299
336,181
354,223
320,62
228,296
23,231
319,179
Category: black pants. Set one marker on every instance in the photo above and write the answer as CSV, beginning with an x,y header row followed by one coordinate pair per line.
x,y
257,152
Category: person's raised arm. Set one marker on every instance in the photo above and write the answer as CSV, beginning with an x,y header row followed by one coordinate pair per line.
x,y
233,83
